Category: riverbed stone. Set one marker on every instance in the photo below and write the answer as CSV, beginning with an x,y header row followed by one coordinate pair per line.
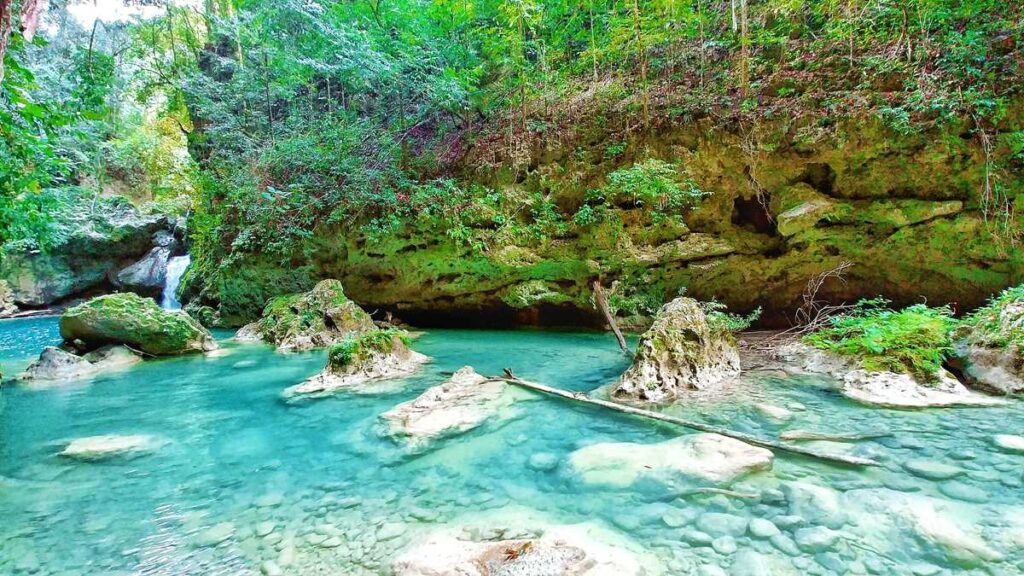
x,y
707,457
724,545
542,462
763,528
815,538
681,353
932,470
465,401
964,491
264,529
815,504
719,523
774,412
750,563
945,533
215,534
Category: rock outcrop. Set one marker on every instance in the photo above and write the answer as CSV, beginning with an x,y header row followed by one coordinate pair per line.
x,y
884,389
467,400
697,457
374,355
96,448
681,353
7,306
134,321
94,241
319,318
990,348
55,364
149,275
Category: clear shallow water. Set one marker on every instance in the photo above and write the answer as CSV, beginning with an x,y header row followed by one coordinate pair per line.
x,y
237,458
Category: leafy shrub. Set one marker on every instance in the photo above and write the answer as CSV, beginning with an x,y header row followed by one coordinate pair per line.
x,y
997,324
652,184
353,350
915,340
720,320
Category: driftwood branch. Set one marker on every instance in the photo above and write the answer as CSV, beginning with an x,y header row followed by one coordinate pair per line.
x,y
602,304
748,438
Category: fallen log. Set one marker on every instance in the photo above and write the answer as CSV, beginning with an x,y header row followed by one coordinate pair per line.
x,y
602,304
744,437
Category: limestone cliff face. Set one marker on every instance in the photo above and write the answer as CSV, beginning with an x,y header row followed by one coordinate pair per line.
x,y
786,202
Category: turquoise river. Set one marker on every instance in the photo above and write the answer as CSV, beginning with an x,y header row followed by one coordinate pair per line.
x,y
242,478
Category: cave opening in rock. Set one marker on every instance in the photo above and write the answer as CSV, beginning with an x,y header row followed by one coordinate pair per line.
x,y
752,214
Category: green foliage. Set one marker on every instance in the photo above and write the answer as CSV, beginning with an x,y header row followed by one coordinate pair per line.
x,y
720,320
915,340
652,184
351,351
998,324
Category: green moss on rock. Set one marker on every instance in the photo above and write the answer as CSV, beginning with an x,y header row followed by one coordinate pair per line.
x,y
318,318
135,321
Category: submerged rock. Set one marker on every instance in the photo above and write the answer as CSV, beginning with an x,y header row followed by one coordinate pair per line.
x,y
95,448
564,550
885,389
1009,442
319,318
708,457
682,352
374,355
56,364
136,321
465,401
990,348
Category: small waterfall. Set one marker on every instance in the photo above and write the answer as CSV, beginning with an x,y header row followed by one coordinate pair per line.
x,y
175,268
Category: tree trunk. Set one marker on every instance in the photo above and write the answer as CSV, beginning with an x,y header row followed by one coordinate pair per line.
x,y
741,436
602,305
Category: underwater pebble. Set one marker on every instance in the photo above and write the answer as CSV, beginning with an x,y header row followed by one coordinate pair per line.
x,y
332,542
264,528
774,412
696,537
762,528
542,462
785,544
390,531
710,570
815,538
932,470
269,500
962,491
724,545
675,518
750,563
1009,442
216,534
722,524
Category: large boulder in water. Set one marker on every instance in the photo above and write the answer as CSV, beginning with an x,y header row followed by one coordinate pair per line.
x,y
135,321
682,352
319,318
374,355
990,345
56,364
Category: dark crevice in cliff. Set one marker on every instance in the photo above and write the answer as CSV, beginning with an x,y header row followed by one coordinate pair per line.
x,y
752,214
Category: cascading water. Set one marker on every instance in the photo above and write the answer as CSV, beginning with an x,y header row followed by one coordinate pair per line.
x,y
175,268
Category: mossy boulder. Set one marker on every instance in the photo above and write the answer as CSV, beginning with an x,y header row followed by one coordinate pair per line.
x,y
7,307
681,353
990,344
136,322
319,318
373,355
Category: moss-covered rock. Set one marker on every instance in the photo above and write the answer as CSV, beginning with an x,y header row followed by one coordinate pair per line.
x,y
373,355
800,207
135,321
7,306
990,344
315,319
681,353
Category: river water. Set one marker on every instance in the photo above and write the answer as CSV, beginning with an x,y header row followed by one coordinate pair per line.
x,y
242,478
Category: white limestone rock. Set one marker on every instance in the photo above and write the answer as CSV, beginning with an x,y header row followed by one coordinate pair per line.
x,y
464,402
56,365
96,448
708,457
